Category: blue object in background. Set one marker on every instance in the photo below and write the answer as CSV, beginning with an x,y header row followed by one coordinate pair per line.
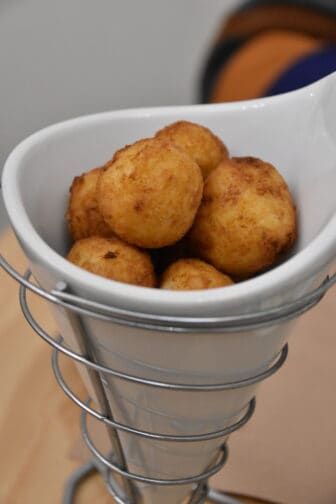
x,y
306,71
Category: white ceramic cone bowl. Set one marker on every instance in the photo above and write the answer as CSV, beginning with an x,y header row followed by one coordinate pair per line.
x,y
297,133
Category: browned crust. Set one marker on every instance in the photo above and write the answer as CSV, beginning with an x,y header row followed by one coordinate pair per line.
x,y
83,216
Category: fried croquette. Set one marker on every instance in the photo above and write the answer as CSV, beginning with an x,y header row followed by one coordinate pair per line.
x,y
193,274
247,218
113,259
199,142
83,216
149,193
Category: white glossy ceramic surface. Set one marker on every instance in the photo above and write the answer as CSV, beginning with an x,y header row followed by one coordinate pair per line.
x,y
296,132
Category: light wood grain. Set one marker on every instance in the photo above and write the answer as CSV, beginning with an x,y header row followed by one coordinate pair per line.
x,y
38,424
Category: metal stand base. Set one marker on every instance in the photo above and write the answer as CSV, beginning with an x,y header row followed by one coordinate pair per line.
x,y
76,479
86,470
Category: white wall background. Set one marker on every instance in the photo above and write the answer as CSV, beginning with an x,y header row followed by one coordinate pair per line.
x,y
64,58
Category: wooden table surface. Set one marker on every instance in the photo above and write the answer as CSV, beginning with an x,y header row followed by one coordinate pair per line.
x,y
286,453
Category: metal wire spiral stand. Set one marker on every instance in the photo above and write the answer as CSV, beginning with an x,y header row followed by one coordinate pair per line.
x,y
109,466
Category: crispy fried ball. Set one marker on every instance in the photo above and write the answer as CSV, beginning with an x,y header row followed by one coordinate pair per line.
x,y
114,259
201,144
246,219
193,274
149,193
83,216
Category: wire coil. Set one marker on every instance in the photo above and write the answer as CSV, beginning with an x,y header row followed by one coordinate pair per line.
x,y
79,306
106,462
85,406
229,323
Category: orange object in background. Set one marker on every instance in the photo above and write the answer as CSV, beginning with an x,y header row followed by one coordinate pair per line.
x,y
253,68
269,47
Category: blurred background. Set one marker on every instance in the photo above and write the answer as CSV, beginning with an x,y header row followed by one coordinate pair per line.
x,y
72,57
65,58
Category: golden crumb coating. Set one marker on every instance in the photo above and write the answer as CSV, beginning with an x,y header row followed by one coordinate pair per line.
x,y
114,259
149,193
199,142
247,218
83,216
193,274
